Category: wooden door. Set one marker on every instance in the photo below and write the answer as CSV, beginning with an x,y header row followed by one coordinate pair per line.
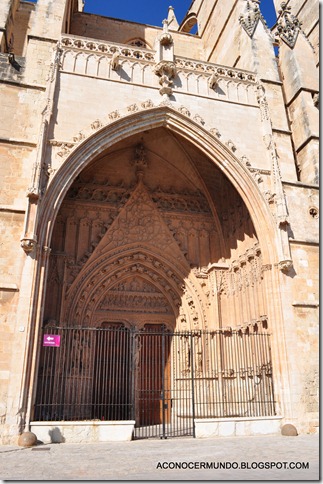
x,y
153,381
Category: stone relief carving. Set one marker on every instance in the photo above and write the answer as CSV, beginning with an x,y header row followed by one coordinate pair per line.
x,y
67,146
35,189
110,270
219,71
231,145
134,265
192,203
96,124
166,71
263,104
114,115
125,231
115,61
281,213
138,43
135,295
249,20
199,119
28,244
215,132
288,26
241,288
79,137
133,108
147,104
184,110
285,265
213,81
104,59
74,44
316,100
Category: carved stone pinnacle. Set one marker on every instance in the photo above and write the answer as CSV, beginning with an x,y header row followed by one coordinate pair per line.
x,y
288,26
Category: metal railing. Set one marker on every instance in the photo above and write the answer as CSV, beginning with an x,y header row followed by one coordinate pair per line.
x,y
162,380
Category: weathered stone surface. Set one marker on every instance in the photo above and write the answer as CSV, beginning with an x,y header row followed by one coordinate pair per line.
x,y
154,176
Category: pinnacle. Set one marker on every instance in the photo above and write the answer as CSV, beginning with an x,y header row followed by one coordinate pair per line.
x,y
171,19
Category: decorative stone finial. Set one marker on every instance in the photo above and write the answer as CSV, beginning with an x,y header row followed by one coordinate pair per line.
x,y
288,25
166,38
249,20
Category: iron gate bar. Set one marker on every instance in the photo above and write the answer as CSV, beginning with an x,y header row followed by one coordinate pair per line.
x,y
163,388
192,383
163,380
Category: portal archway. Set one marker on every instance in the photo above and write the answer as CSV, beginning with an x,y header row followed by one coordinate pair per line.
x,y
145,231
177,123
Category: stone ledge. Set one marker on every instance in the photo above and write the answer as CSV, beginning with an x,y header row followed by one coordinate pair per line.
x,y
83,431
307,304
12,208
237,426
8,287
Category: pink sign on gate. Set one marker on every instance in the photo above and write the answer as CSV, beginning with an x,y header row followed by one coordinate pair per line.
x,y
52,340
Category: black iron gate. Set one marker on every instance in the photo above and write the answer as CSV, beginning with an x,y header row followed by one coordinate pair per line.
x,y
162,380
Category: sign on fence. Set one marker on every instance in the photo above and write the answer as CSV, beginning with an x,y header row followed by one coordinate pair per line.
x,y
52,340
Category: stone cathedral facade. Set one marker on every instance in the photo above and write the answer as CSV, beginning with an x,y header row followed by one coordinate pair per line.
x,y
153,177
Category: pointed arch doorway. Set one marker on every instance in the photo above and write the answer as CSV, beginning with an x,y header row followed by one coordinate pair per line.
x,y
132,374
174,220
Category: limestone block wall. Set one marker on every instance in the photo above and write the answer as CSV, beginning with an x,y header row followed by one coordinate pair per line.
x,y
301,316
11,263
88,83
89,94
8,10
20,104
298,66
21,26
124,32
235,33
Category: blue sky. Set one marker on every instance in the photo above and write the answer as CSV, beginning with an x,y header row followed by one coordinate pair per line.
x,y
153,12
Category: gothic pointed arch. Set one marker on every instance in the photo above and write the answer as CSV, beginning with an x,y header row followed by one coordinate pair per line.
x,y
175,122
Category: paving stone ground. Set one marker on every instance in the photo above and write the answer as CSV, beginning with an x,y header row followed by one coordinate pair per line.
x,y
139,460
